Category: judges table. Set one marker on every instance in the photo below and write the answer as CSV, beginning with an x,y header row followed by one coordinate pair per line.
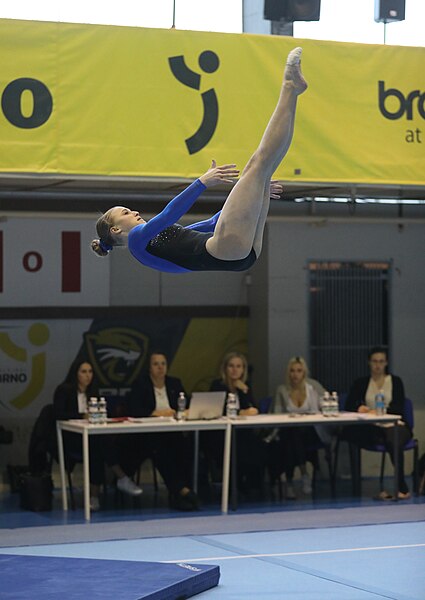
x,y
146,425
302,420
162,425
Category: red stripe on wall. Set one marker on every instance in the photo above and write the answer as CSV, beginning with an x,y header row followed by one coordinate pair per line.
x,y
1,261
71,261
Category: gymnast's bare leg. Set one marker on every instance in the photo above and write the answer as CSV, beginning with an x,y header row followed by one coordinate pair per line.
x,y
241,223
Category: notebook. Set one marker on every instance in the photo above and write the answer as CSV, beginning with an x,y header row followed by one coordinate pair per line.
x,y
206,405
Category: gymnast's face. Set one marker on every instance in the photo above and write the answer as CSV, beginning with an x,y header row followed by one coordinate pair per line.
x,y
124,220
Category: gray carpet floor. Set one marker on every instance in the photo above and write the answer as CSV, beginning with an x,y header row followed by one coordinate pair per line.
x,y
204,525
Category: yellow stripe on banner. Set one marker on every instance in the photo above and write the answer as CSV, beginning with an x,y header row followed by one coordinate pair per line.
x,y
198,358
102,100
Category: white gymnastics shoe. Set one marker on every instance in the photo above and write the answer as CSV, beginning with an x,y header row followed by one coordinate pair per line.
x,y
294,57
293,71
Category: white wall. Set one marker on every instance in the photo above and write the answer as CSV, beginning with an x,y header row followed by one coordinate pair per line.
x,y
134,285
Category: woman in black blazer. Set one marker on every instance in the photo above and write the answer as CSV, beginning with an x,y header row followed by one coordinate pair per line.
x,y
250,451
70,402
155,395
361,398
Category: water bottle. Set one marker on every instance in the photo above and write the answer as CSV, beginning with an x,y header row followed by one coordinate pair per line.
x,y
334,404
103,412
380,403
325,404
231,406
181,407
93,411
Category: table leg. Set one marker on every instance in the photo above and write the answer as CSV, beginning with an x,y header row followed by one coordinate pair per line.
x,y
359,471
196,462
396,460
86,474
355,462
233,471
61,458
226,468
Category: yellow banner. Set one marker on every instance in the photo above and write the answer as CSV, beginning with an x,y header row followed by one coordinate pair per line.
x,y
121,101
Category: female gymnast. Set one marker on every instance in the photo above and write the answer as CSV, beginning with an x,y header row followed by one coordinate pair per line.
x,y
232,239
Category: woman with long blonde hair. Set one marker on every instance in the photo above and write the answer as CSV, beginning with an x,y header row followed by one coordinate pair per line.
x,y
234,379
234,376
298,395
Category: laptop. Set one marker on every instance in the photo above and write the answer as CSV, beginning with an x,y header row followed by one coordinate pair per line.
x,y
206,405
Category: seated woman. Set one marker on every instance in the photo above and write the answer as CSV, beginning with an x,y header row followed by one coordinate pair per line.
x,y
299,395
155,395
70,402
233,379
361,398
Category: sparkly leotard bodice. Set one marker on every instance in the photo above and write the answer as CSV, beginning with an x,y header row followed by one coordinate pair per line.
x,y
166,246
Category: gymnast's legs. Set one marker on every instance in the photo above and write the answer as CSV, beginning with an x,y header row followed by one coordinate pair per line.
x,y
241,223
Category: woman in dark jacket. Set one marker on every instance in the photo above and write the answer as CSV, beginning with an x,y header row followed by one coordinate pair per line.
x,y
155,395
250,460
233,379
70,402
361,398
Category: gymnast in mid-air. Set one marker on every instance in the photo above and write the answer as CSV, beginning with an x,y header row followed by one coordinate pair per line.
x,y
232,239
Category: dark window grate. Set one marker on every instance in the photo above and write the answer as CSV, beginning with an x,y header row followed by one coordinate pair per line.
x,y
349,314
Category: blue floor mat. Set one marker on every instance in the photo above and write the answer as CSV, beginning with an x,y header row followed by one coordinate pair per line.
x,y
42,578
340,563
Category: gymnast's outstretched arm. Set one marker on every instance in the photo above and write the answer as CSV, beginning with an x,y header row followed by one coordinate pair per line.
x,y
174,210
179,205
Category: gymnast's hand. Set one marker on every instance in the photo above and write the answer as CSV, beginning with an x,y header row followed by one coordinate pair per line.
x,y
276,190
216,175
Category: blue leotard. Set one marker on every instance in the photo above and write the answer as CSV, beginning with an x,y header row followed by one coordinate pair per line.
x,y
166,246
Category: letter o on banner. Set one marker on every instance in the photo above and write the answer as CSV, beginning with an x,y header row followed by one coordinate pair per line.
x,y
12,108
32,261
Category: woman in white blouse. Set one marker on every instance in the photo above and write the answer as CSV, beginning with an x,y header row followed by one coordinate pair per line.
x,y
298,395
361,398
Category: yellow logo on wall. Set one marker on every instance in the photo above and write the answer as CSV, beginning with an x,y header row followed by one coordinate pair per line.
x,y
25,369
